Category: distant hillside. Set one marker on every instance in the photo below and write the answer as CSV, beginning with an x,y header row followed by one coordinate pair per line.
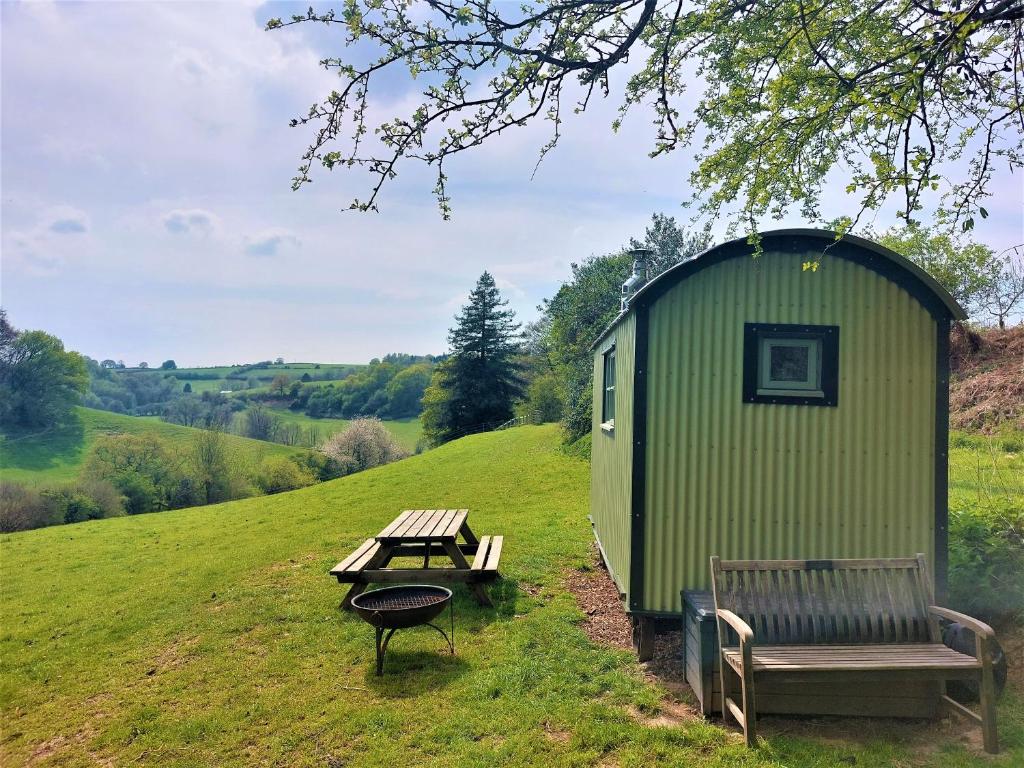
x,y
58,455
987,385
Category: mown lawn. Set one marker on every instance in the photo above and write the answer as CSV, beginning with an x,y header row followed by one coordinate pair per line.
x,y
54,456
212,637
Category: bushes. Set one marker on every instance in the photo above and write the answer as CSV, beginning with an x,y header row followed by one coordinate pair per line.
x,y
986,559
22,508
365,444
278,473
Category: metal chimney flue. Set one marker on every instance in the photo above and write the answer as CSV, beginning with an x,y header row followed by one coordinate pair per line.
x,y
641,258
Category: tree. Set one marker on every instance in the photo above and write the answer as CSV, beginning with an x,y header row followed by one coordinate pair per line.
x,y
477,387
187,388
893,96
259,423
966,269
280,384
405,390
584,306
142,468
669,243
143,365
1007,290
168,365
212,472
543,399
40,382
108,364
279,361
306,377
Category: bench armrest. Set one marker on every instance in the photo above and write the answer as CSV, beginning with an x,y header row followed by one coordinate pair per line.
x,y
979,628
741,627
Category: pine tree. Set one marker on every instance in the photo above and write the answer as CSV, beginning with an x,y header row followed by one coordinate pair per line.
x,y
475,389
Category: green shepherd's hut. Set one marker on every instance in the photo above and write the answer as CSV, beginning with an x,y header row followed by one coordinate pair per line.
x,y
751,407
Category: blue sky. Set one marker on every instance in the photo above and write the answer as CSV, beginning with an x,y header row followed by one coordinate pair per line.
x,y
147,211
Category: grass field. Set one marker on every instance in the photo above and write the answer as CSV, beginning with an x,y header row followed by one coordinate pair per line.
x,y
406,431
57,456
212,637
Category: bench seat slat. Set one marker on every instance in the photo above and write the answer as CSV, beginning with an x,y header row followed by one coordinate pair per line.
x,y
495,554
481,554
814,658
360,551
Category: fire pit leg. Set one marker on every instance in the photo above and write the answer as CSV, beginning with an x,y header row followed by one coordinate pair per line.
x,y
382,648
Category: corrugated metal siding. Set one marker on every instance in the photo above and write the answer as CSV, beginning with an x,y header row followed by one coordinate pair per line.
x,y
784,481
611,455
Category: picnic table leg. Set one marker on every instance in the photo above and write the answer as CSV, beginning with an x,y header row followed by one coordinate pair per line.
x,y
354,591
468,534
460,562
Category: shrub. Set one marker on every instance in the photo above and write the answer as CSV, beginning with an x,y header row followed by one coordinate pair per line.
x,y
986,558
85,500
319,465
365,444
278,473
23,508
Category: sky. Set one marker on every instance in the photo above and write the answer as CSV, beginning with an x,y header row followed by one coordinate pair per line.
x,y
147,211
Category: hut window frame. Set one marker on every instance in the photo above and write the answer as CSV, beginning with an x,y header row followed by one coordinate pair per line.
x,y
820,383
608,389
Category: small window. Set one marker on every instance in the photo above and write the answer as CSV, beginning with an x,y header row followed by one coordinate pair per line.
x,y
608,399
790,364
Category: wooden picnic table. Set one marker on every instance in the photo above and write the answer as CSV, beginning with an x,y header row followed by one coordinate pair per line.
x,y
423,533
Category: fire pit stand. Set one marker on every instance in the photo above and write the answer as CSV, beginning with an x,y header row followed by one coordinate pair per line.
x,y
392,608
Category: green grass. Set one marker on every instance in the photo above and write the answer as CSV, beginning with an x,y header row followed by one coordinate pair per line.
x,y
406,431
983,467
54,456
211,636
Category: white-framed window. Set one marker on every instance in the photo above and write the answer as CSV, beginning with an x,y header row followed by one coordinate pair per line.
x,y
608,388
790,366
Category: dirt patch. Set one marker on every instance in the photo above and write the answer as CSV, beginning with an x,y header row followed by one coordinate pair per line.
x,y
555,734
987,386
606,621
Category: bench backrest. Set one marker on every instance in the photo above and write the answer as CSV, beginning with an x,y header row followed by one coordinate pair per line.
x,y
788,602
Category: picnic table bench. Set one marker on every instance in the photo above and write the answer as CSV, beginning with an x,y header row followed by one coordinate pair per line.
x,y
423,533
851,624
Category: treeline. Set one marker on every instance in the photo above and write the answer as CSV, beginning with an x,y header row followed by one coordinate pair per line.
x,y
391,388
127,474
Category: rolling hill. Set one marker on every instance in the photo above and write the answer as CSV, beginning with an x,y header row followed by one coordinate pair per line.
x,y
211,636
57,455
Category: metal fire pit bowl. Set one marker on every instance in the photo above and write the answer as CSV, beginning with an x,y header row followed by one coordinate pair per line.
x,y
410,605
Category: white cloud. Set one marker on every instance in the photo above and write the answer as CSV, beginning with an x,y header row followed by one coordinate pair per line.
x,y
194,221
271,243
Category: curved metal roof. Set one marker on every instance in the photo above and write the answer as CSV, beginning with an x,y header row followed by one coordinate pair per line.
x,y
867,253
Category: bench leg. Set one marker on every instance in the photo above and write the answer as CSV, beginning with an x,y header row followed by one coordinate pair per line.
x,y
987,696
749,715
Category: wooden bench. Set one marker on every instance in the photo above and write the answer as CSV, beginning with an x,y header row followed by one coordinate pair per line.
x,y
846,624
